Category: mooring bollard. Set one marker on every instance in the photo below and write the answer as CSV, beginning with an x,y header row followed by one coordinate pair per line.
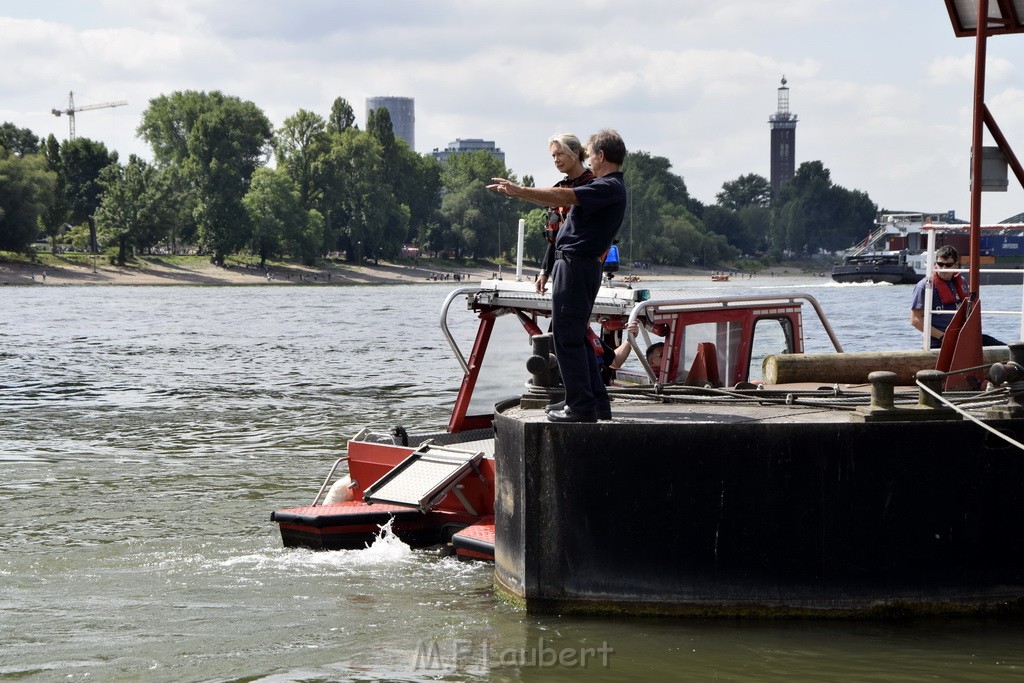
x,y
932,379
883,389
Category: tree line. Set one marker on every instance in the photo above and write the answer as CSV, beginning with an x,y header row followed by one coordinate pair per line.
x,y
333,188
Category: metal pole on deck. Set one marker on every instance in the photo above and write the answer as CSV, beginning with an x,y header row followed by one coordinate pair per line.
x,y
977,153
929,292
519,250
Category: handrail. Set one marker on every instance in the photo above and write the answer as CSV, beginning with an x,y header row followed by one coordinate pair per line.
x,y
638,308
444,325
316,500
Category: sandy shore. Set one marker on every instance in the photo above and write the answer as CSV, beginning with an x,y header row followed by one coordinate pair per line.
x,y
155,273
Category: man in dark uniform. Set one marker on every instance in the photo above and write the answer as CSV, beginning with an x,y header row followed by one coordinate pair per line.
x,y
597,212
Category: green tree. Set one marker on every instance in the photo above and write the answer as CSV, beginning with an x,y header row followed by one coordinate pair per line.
x,y
280,223
18,141
757,224
418,186
133,213
535,242
812,213
26,185
747,190
342,116
55,214
168,121
218,141
182,209
225,147
478,222
300,146
82,162
727,223
656,195
364,218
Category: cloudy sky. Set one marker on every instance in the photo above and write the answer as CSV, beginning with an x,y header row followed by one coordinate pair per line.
x,y
882,89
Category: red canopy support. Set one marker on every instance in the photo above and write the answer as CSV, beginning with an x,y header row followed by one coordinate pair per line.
x,y
961,346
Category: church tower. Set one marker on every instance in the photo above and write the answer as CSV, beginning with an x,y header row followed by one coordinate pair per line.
x,y
783,125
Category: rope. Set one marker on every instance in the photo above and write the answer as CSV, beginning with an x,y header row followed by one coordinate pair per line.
x,y
970,417
830,399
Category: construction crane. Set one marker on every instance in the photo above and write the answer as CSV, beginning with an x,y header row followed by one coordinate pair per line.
x,y
70,111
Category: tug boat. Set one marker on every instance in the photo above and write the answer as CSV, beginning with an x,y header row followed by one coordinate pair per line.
x,y
438,489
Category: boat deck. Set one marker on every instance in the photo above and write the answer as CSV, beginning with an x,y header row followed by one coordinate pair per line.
x,y
798,403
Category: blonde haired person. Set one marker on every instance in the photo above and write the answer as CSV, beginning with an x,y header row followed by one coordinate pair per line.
x,y
568,154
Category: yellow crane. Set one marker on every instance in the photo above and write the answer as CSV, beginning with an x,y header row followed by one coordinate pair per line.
x,y
70,111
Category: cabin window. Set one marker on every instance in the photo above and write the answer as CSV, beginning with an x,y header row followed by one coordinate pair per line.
x,y
771,336
726,336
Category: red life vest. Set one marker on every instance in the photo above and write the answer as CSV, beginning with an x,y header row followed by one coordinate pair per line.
x,y
952,292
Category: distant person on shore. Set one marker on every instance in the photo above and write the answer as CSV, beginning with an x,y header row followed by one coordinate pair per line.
x,y
593,222
948,290
568,154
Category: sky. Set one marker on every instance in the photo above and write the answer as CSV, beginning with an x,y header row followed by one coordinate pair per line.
x,y
882,90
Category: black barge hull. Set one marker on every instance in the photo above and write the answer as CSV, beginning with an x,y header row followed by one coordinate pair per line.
x,y
891,273
716,514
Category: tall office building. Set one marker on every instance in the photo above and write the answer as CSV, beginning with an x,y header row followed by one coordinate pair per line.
x,y
403,116
783,125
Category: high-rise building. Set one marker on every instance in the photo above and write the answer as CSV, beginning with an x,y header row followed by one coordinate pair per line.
x,y
783,125
403,116
461,146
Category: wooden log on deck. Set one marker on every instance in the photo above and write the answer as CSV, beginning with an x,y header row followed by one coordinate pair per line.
x,y
853,368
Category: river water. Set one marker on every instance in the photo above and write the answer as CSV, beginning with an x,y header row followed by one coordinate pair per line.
x,y
147,433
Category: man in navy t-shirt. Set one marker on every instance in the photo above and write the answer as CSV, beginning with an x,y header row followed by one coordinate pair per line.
x,y
597,212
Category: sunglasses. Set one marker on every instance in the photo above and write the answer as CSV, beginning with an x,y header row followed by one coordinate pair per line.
x,y
945,264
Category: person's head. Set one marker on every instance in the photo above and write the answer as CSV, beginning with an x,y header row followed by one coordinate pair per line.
x,y
606,152
654,355
568,153
946,259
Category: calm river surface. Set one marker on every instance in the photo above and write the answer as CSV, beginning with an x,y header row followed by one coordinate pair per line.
x,y
147,433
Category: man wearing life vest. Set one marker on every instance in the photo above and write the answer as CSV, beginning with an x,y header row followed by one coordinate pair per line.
x,y
948,290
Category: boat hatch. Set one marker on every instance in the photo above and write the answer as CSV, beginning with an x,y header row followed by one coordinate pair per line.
x,y
425,477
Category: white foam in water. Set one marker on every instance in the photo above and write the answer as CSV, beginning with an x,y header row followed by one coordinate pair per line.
x,y
386,550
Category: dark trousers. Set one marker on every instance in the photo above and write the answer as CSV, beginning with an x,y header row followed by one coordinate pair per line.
x,y
574,285
986,340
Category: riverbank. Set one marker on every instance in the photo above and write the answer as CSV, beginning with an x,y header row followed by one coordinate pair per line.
x,y
158,271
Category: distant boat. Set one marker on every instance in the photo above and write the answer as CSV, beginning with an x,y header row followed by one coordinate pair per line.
x,y
891,268
719,278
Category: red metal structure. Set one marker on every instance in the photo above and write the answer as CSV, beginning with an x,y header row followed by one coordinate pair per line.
x,y
981,19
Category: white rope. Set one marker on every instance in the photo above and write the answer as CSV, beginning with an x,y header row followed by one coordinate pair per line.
x,y
973,419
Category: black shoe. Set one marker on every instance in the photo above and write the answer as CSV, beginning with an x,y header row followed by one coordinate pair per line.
x,y
553,407
604,414
566,415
